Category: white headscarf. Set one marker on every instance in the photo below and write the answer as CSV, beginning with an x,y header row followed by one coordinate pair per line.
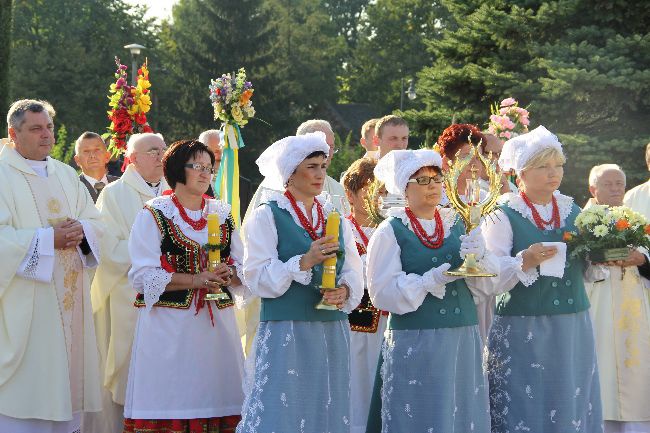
x,y
278,162
395,169
519,150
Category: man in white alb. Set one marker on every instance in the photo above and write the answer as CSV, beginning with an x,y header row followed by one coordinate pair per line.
x,y
112,295
49,234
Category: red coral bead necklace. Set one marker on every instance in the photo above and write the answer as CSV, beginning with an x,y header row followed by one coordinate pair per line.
x,y
539,221
195,224
304,222
435,240
361,248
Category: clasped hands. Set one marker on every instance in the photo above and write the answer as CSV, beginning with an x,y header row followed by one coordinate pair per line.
x,y
320,250
68,234
213,281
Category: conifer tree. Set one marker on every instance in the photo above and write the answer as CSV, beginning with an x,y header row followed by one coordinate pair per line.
x,y
582,67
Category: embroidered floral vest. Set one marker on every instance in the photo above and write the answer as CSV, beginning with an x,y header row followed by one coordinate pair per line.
x,y
182,254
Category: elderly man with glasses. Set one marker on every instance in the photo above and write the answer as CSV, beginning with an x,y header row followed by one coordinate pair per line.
x,y
112,295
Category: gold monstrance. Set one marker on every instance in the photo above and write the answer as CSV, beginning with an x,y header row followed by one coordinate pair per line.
x,y
472,208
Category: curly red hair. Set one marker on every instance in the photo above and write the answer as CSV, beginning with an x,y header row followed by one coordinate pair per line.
x,y
455,136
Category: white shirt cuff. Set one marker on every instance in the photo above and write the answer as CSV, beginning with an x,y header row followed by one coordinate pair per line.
x,y
91,259
38,263
527,278
293,267
153,285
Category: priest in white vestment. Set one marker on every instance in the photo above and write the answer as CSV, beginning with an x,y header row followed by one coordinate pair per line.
x,y
638,198
111,293
621,316
49,234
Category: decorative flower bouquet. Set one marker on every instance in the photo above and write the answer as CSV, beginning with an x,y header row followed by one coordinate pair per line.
x,y
231,101
129,107
607,233
231,98
508,119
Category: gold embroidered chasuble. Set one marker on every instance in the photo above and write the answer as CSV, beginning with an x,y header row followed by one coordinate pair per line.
x,y
48,361
620,311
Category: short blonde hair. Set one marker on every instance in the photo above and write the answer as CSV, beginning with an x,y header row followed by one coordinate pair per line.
x,y
544,156
368,126
392,120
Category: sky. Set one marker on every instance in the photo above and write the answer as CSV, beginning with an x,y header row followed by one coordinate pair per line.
x,y
159,9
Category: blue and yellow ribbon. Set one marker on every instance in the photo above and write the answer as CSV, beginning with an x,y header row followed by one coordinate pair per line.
x,y
226,185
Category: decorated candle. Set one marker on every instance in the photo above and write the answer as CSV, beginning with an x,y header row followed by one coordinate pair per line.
x,y
214,238
329,265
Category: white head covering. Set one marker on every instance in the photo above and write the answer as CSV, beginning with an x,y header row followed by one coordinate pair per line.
x,y
395,169
278,162
519,150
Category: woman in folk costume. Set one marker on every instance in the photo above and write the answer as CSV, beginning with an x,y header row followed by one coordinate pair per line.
x,y
621,314
431,372
542,361
297,375
367,323
187,362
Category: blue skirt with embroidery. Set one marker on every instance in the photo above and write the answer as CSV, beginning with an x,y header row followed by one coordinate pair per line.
x,y
543,374
433,381
298,378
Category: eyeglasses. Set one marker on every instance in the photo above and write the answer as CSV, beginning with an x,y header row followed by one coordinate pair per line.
x,y
155,153
426,180
198,167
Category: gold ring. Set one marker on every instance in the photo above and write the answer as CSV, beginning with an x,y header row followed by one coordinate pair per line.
x,y
543,253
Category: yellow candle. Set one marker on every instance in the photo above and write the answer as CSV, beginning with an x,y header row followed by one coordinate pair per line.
x,y
214,238
329,265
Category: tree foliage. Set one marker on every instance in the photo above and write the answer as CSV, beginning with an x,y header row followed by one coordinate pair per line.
x,y
63,150
63,51
583,73
581,67
391,47
203,40
5,53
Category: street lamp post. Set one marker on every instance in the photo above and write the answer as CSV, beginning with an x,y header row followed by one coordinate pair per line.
x,y
410,93
135,50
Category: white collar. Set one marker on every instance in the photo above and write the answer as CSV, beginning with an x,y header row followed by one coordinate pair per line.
x,y
92,181
170,211
40,167
284,203
155,190
564,204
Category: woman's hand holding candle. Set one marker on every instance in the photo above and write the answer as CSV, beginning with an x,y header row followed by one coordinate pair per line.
x,y
321,249
336,296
